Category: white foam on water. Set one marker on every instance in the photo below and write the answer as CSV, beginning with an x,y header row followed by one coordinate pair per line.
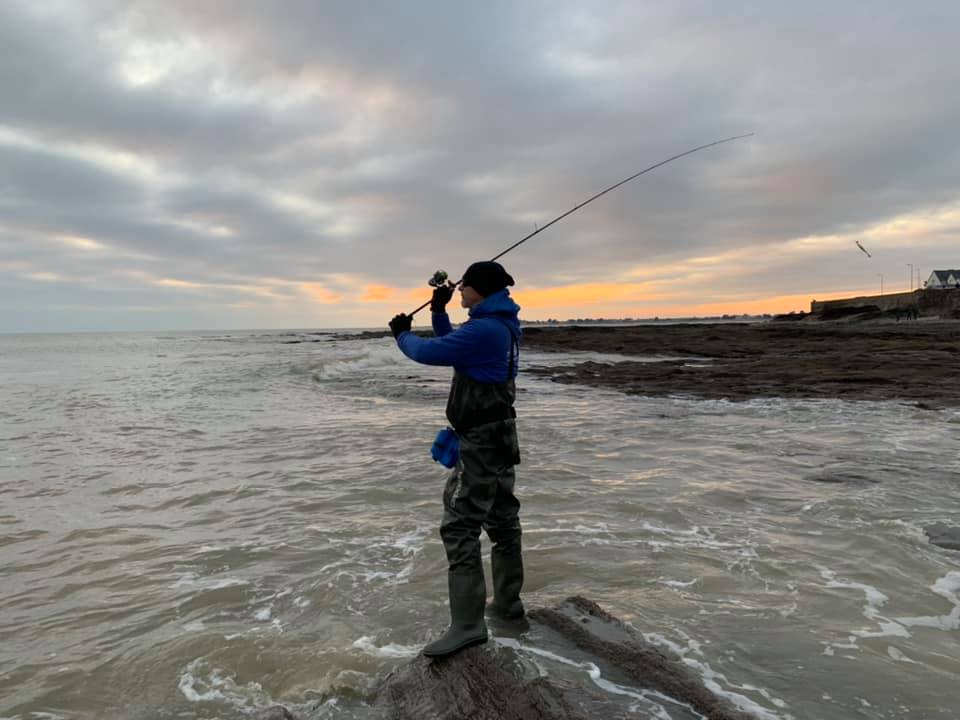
x,y
335,564
211,548
650,699
264,614
224,583
947,587
699,537
598,529
712,680
404,574
192,579
899,656
391,650
871,610
789,610
369,360
184,580
385,549
198,683
677,583
658,639
411,542
371,575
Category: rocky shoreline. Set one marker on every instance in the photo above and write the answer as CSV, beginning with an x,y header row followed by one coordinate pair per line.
x,y
916,362
599,664
909,361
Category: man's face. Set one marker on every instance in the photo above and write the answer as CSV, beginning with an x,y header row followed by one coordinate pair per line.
x,y
469,297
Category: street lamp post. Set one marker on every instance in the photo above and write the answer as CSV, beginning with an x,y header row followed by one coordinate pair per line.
x,y
881,282
910,265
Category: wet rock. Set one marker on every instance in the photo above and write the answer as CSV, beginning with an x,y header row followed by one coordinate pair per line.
x,y
573,662
842,477
945,536
278,712
487,682
913,362
620,648
496,682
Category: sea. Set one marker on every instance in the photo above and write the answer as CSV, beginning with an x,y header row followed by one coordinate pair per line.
x,y
206,524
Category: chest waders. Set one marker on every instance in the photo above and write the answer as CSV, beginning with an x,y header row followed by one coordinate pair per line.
x,y
479,495
479,492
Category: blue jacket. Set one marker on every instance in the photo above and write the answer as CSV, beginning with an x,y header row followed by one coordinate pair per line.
x,y
480,348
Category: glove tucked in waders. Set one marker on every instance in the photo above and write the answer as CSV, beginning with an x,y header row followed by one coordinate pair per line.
x,y
479,491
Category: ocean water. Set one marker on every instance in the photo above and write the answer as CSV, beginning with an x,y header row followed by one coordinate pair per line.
x,y
201,525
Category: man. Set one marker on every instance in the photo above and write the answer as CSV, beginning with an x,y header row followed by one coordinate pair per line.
x,y
479,491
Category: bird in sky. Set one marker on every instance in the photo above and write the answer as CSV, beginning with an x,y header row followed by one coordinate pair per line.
x,y
863,248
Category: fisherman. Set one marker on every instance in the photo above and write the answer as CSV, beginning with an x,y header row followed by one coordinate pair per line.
x,y
479,491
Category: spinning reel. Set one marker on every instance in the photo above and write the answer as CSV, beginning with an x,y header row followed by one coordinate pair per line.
x,y
439,278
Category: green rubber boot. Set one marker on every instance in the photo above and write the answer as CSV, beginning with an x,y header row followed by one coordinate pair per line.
x,y
507,581
468,595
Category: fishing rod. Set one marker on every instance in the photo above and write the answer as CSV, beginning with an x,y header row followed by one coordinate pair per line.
x,y
440,277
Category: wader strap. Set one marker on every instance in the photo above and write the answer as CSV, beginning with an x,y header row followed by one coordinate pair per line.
x,y
514,348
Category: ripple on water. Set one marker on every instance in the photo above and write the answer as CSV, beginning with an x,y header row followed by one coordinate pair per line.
x,y
244,522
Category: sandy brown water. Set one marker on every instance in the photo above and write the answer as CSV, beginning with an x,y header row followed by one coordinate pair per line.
x,y
201,525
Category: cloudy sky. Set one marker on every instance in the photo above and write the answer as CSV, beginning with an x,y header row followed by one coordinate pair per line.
x,y
245,164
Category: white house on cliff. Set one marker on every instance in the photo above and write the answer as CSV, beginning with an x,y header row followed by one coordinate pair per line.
x,y
944,279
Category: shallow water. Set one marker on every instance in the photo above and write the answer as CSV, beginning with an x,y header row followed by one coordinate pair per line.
x,y
202,525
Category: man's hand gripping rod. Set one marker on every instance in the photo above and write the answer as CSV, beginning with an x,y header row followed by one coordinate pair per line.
x,y
440,276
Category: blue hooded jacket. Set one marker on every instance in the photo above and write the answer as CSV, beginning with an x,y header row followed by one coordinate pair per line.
x,y
480,348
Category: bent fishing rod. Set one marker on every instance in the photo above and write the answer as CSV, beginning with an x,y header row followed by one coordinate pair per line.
x,y
440,277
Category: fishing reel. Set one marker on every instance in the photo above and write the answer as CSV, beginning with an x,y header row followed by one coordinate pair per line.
x,y
439,278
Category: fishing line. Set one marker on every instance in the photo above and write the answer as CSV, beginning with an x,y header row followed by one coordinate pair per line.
x,y
440,276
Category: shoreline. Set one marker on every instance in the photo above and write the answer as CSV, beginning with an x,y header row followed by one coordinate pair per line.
x,y
908,361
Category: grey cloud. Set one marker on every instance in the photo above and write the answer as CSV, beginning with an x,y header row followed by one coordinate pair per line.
x,y
58,84
854,106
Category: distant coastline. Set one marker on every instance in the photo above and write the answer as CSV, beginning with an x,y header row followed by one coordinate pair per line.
x,y
652,320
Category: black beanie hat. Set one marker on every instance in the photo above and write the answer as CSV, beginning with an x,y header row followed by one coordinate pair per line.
x,y
487,277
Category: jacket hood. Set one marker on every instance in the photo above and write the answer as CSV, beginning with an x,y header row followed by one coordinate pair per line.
x,y
500,306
